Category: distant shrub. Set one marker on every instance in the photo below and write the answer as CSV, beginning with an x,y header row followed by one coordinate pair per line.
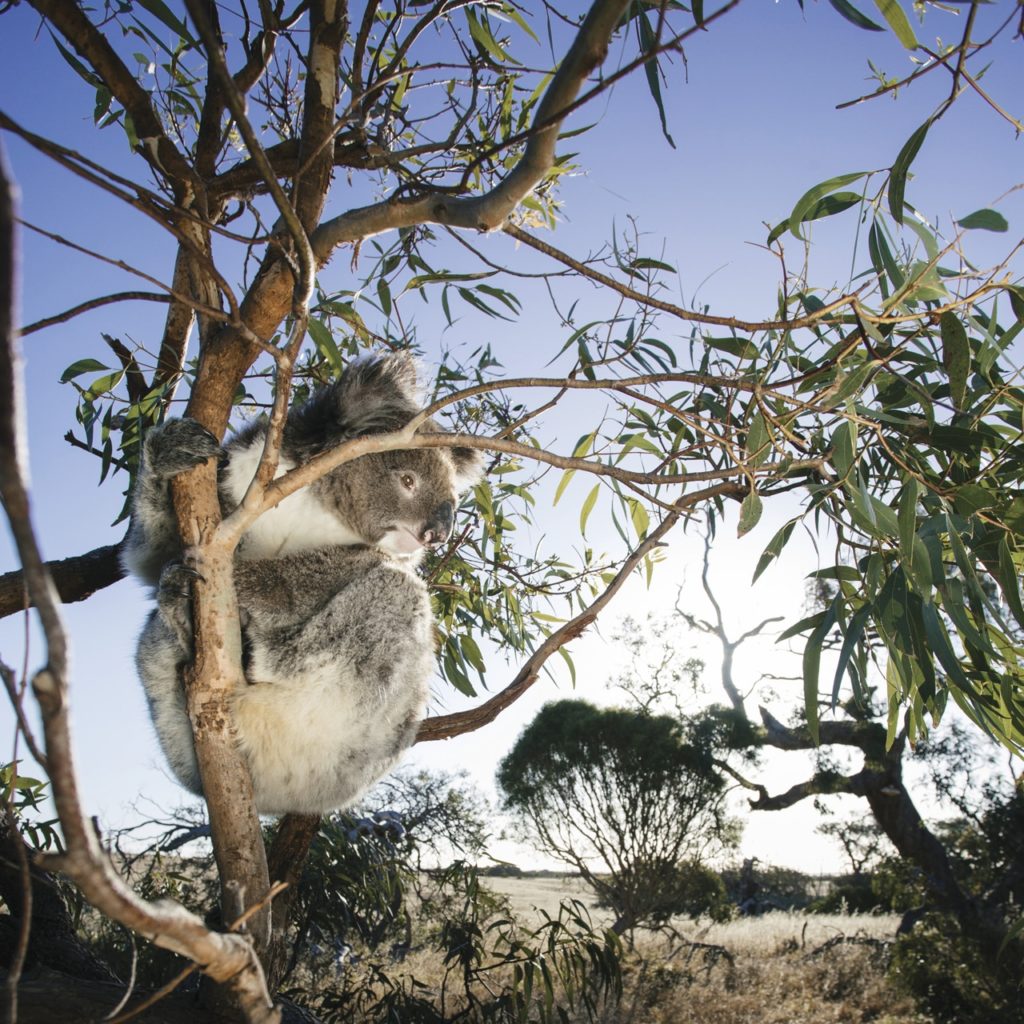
x,y
503,870
852,894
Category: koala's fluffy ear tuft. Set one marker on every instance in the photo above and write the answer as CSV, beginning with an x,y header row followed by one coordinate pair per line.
x,y
377,395
469,467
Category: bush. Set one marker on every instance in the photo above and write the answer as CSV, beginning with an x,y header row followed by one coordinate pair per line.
x,y
954,979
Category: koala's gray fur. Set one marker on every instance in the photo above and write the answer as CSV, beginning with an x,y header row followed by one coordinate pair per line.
x,y
336,623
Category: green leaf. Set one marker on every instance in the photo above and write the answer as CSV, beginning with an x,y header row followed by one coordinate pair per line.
x,y
640,516
162,13
508,11
844,448
827,206
76,65
79,367
774,547
812,665
986,220
941,648
326,346
384,294
750,513
956,356
758,445
814,195
894,14
852,636
800,627
588,507
848,385
906,517
481,33
851,14
1009,582
102,385
562,484
898,174
740,348
648,41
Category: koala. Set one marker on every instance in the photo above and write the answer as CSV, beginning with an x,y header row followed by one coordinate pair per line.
x,y
337,631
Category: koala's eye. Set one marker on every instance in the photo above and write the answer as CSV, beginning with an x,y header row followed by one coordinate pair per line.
x,y
408,481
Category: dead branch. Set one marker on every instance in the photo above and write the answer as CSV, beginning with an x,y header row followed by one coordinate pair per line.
x,y
89,304
229,959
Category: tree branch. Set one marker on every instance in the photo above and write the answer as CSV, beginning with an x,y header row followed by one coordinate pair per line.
x,y
444,727
819,784
228,959
867,736
76,578
84,307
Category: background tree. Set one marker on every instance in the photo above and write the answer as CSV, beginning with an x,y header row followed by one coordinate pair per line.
x,y
887,402
932,875
627,799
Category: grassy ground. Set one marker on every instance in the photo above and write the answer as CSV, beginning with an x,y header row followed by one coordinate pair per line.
x,y
781,968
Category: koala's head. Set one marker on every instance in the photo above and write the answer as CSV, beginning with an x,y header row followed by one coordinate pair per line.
x,y
401,501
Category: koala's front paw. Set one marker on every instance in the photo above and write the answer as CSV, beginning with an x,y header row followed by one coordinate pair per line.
x,y
178,445
174,599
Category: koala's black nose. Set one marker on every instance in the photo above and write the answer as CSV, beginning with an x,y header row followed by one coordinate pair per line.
x,y
440,525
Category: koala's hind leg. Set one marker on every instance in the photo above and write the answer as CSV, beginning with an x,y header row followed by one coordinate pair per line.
x,y
160,659
335,698
174,601
170,449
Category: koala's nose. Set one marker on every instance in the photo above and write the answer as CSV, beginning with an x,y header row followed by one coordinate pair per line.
x,y
440,525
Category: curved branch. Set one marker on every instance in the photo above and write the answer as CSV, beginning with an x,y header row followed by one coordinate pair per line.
x,y
866,736
443,727
690,315
489,212
89,304
819,784
229,959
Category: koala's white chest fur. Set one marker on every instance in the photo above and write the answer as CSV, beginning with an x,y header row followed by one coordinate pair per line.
x,y
288,526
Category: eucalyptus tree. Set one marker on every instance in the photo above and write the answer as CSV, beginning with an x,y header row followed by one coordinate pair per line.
x,y
624,797
272,142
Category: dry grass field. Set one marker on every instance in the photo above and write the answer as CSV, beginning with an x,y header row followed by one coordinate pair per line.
x,y
781,968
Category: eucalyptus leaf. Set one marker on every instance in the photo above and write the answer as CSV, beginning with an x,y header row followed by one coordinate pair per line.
x,y
750,513
898,22
956,356
852,15
986,220
900,169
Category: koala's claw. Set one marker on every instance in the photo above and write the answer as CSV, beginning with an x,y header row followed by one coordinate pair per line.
x,y
174,599
177,579
177,446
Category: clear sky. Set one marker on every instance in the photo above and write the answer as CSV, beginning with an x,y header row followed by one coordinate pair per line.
x,y
754,120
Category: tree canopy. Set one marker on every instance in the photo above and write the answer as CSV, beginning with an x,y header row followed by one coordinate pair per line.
x,y
622,791
315,173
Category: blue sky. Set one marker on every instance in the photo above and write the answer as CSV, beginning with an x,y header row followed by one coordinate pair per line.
x,y
754,120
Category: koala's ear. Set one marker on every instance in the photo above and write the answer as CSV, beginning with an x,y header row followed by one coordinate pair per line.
x,y
469,467
377,395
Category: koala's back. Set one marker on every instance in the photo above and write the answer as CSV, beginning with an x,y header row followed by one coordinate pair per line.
x,y
335,694
339,653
